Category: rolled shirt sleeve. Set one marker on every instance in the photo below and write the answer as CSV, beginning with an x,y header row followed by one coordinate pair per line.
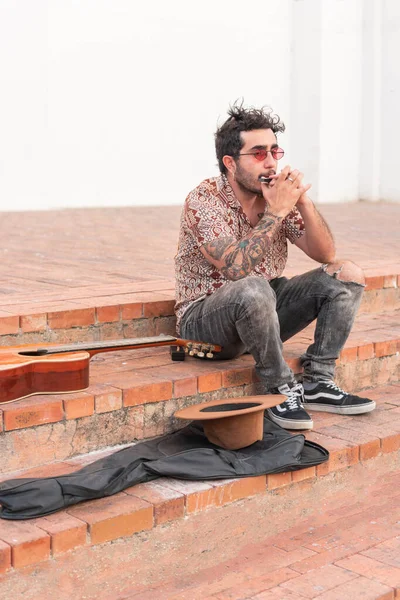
x,y
293,225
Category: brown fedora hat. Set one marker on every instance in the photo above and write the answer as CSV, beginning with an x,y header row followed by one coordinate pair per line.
x,y
232,423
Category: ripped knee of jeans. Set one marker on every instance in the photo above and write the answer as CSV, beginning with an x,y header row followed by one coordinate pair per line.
x,y
335,274
350,272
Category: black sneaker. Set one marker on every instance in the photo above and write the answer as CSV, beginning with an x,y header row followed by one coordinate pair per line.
x,y
290,414
326,396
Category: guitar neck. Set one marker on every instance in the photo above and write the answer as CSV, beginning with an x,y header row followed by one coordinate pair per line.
x,y
108,346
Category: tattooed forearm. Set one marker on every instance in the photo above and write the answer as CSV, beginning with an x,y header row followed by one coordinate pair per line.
x,y
237,259
241,260
218,247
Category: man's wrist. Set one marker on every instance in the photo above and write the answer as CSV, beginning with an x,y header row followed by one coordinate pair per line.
x,y
269,213
304,202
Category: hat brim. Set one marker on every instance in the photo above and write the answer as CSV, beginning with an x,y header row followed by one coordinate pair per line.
x,y
232,423
230,407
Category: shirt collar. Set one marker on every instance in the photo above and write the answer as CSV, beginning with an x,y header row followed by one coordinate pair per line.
x,y
229,193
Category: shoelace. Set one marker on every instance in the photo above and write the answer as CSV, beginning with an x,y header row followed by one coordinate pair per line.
x,y
293,401
333,386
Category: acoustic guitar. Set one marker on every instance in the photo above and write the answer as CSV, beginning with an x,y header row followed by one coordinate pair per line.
x,y
53,369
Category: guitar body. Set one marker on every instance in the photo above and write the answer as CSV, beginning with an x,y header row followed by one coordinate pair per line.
x,y
54,369
22,376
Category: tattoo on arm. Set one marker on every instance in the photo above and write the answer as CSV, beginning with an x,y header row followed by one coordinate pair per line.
x,y
237,259
217,247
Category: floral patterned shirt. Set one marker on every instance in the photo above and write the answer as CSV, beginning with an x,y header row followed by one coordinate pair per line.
x,y
212,211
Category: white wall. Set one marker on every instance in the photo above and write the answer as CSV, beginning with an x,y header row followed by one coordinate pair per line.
x,y
341,100
390,111
24,147
305,90
115,102
371,102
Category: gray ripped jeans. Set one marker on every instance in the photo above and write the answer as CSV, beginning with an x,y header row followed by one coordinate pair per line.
x,y
256,316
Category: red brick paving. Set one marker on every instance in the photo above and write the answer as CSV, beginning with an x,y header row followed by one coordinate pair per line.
x,y
145,506
87,267
138,377
49,252
84,273
150,389
332,558
336,537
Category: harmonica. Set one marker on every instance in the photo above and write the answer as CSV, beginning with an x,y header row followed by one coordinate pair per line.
x,y
265,179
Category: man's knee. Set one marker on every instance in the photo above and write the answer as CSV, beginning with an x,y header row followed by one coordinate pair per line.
x,y
254,292
345,270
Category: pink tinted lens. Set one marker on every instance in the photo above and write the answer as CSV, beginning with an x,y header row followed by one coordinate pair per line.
x,y
260,154
277,153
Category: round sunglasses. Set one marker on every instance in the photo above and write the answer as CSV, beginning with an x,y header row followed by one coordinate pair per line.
x,y
277,153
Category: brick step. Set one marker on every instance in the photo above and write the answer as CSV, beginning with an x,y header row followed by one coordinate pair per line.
x,y
90,314
132,310
347,549
134,394
351,441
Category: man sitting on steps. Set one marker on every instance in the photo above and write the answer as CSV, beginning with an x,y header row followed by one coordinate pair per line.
x,y
231,255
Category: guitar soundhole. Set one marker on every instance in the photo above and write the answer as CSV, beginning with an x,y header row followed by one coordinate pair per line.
x,y
34,352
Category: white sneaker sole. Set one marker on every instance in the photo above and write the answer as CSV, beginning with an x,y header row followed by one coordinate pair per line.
x,y
360,409
290,423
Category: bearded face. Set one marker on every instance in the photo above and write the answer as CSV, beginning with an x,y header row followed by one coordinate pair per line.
x,y
256,157
247,181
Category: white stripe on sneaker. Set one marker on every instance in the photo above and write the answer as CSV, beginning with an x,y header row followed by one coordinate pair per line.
x,y
308,396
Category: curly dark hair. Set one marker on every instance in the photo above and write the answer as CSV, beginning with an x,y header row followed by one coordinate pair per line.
x,y
227,137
